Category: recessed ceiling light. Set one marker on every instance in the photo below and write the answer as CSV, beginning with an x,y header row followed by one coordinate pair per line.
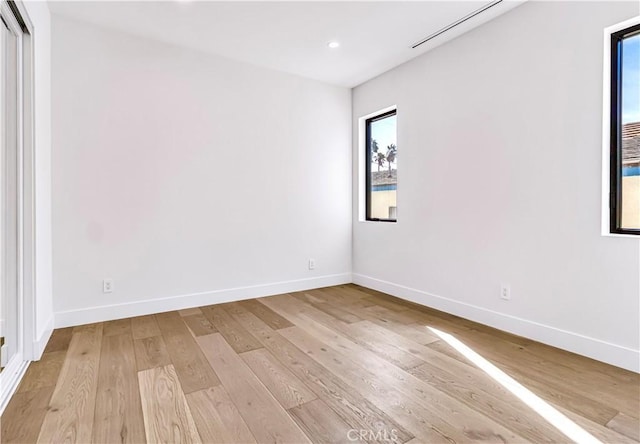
x,y
333,44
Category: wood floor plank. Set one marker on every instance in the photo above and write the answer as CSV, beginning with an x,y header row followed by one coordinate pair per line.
x,y
265,417
449,323
599,431
336,310
358,308
151,352
117,327
385,314
573,399
360,303
192,368
118,412
59,340
167,417
144,327
376,295
217,418
548,371
293,308
530,358
379,345
43,373
555,393
496,402
350,348
412,403
586,367
427,427
350,291
626,425
386,345
199,324
307,296
322,424
235,335
360,291
435,318
70,417
190,311
413,332
355,410
88,328
268,316
23,417
400,341
282,384
338,313
337,298
387,303
232,308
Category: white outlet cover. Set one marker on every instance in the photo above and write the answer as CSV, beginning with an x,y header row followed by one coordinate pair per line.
x,y
107,286
505,292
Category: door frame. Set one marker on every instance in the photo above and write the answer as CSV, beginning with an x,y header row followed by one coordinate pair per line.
x,y
26,351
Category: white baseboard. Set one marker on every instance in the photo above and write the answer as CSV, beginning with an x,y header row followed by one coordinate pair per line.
x,y
151,306
10,378
40,343
613,354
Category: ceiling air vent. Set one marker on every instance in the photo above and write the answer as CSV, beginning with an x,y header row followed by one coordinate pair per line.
x,y
456,23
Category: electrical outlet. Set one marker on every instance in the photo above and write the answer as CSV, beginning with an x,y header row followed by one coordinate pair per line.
x,y
505,292
312,264
107,286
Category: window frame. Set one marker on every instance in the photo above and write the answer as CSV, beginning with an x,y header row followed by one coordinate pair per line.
x,y
367,156
615,38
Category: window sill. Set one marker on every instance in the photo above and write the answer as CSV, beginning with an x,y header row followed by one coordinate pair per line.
x,y
621,235
382,222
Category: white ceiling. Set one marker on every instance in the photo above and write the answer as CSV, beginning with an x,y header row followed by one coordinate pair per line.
x,y
375,36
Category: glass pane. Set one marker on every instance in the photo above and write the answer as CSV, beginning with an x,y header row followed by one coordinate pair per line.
x,y
8,190
384,168
630,189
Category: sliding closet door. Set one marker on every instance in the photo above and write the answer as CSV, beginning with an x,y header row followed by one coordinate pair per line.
x,y
9,144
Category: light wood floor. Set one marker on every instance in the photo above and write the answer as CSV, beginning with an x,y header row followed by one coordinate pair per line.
x,y
340,364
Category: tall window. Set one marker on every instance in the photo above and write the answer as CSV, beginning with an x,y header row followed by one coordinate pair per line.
x,y
625,132
382,167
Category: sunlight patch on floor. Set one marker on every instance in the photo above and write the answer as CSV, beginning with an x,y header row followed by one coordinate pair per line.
x,y
569,428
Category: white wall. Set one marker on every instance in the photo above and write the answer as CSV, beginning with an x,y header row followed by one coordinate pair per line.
x,y
499,136
189,178
39,14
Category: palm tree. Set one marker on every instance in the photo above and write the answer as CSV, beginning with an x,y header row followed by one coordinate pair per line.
x,y
392,152
377,157
380,160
